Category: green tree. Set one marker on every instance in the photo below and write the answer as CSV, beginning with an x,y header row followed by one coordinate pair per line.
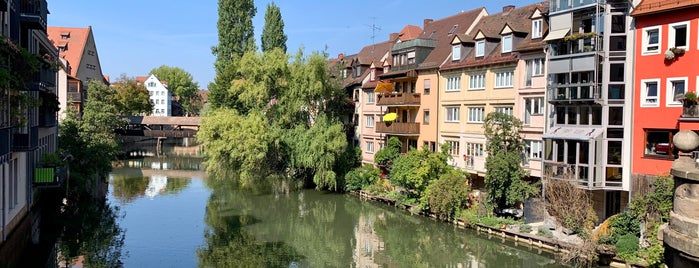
x,y
100,119
273,35
384,158
131,98
504,179
181,84
235,37
416,169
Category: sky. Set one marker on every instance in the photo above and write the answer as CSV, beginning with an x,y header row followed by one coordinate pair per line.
x,y
135,36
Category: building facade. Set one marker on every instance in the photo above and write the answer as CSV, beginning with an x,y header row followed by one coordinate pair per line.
x,y
160,96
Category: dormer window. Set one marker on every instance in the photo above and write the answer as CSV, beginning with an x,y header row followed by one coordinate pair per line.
x,y
357,71
537,28
373,74
480,48
507,43
456,52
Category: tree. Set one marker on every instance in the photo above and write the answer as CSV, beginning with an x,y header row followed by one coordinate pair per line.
x,y
131,98
235,37
273,35
179,82
384,158
504,179
416,169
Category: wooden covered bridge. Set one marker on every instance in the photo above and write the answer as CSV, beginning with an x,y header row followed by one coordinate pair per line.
x,y
161,126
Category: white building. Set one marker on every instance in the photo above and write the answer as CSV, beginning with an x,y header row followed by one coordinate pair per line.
x,y
160,96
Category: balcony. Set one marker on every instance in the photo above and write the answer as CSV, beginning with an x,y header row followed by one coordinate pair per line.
x,y
44,80
74,97
5,141
577,43
23,142
395,128
33,13
574,93
398,99
562,5
47,177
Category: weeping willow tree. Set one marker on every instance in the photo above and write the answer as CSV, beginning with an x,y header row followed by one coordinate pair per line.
x,y
286,120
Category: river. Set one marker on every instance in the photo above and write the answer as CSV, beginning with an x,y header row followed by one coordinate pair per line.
x,y
169,214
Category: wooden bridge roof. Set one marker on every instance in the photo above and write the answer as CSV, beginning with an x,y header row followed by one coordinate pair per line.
x,y
164,120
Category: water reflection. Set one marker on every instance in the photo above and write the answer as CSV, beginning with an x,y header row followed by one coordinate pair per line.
x,y
312,229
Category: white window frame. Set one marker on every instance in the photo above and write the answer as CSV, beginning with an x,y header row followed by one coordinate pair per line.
x,y
452,114
670,91
373,74
454,144
476,81
476,114
509,110
672,34
504,79
370,121
507,43
369,147
480,48
456,52
370,97
537,28
644,93
453,83
646,45
532,146
536,105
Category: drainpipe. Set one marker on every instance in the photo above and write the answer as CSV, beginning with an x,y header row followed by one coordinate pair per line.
x,y
2,205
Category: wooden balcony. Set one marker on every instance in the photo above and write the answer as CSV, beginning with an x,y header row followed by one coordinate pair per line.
x,y
405,129
398,99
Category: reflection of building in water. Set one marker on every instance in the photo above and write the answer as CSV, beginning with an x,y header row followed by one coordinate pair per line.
x,y
368,243
160,165
156,185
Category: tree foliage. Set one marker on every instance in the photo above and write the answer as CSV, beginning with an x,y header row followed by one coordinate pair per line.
x,y
416,169
504,179
273,35
448,194
385,157
131,98
235,38
181,84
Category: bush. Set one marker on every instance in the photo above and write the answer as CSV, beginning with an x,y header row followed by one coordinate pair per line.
x,y
622,224
544,231
447,195
627,246
361,177
525,228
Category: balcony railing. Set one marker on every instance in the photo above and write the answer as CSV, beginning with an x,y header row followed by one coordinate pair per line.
x,y
589,42
74,96
398,128
22,142
33,13
49,176
570,93
44,80
570,4
399,99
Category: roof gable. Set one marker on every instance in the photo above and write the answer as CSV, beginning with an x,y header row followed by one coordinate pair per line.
x,y
647,7
71,44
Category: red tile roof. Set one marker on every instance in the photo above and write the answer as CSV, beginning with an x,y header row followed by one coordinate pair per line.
x,y
409,32
647,7
439,30
73,39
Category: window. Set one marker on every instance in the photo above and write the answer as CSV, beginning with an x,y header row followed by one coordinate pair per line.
x,y
453,147
426,117
476,81
427,86
480,48
504,110
472,150
369,121
370,97
454,83
369,146
679,35
373,74
534,105
456,52
676,87
453,114
411,57
616,72
649,97
453,28
504,79
658,143
537,28
534,67
651,40
533,149
475,114
507,43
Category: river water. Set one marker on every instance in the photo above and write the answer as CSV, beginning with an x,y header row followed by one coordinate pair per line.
x,y
167,213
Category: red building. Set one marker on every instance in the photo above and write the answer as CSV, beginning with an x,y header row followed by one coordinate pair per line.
x,y
666,68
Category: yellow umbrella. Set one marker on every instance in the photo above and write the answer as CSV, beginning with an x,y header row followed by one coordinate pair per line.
x,y
390,117
384,87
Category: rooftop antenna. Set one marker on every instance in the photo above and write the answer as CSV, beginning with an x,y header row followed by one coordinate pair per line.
x,y
374,29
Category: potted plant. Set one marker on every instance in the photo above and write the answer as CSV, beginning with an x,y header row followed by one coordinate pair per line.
x,y
689,103
674,52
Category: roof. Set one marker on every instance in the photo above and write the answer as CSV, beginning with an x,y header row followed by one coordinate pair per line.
x,y
141,79
164,120
409,32
439,30
647,7
73,40
518,20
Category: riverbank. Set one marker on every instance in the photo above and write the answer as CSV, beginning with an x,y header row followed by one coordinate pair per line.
x,y
511,233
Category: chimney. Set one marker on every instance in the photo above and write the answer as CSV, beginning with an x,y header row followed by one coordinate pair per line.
x,y
393,36
340,56
425,22
508,8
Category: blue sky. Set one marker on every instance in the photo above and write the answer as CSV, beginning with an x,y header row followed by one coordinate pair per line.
x,y
135,36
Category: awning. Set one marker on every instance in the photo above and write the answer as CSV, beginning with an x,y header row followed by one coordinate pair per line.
x,y
556,34
573,133
389,117
384,87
